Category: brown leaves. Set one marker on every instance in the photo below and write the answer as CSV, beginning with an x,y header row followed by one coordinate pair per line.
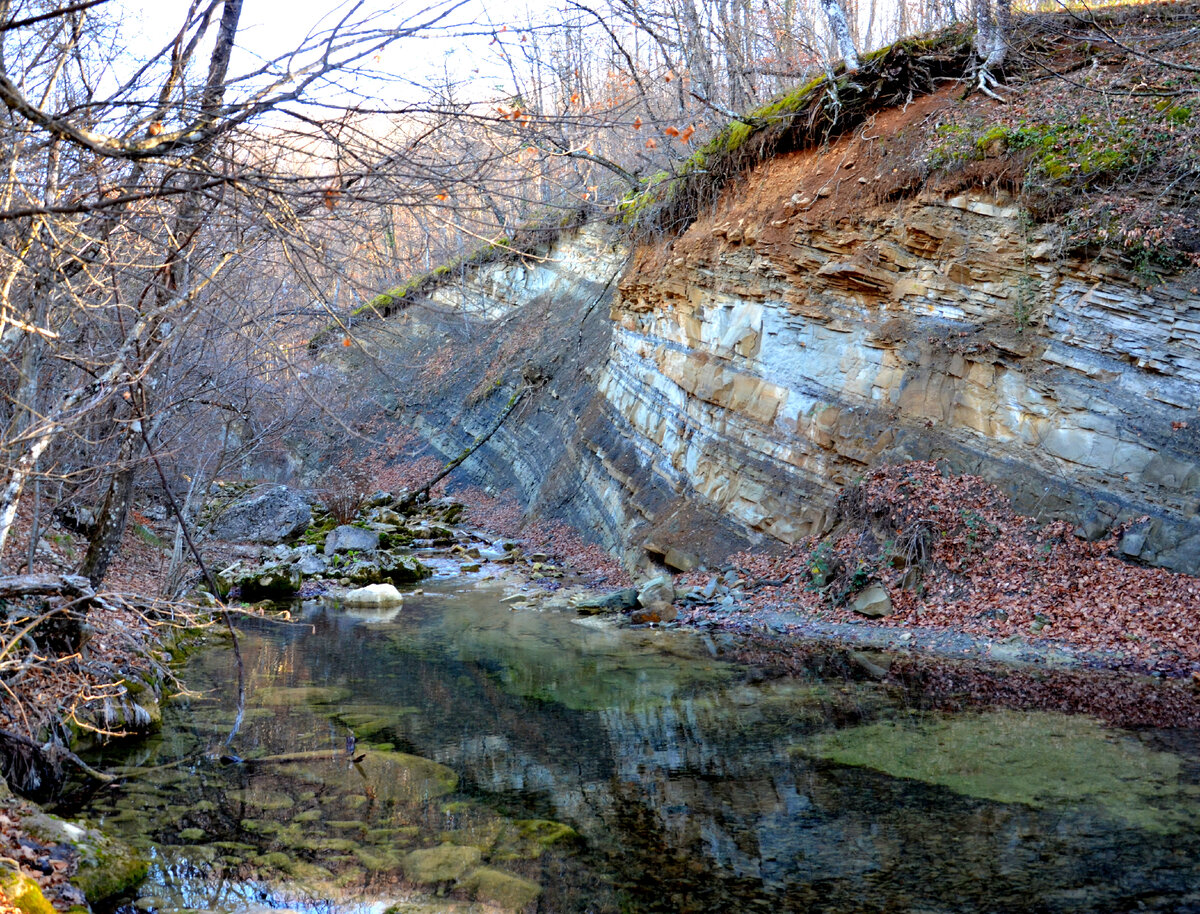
x,y
992,572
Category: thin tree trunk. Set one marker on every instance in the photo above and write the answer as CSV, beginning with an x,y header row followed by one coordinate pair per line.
x,y
105,540
840,28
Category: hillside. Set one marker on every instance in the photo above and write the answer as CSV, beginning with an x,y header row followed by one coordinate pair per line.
x,y
869,272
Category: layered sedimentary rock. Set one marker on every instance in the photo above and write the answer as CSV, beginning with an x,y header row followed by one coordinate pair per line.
x,y
717,389
766,360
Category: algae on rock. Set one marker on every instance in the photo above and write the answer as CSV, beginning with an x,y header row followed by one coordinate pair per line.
x,y
1034,758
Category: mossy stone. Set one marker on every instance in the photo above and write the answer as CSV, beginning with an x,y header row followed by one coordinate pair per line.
x,y
107,868
23,893
444,863
192,834
1038,759
501,889
303,695
546,831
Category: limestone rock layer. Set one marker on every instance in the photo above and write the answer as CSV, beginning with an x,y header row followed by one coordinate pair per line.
x,y
715,390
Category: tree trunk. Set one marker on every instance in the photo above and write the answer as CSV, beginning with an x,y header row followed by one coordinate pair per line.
x,y
841,32
105,540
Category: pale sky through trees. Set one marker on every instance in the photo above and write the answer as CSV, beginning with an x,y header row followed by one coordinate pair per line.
x,y
271,28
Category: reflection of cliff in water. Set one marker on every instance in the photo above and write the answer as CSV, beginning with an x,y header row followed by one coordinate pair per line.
x,y
701,786
697,787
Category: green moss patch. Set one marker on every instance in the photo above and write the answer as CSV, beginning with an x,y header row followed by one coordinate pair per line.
x,y
526,240
1036,759
444,863
23,893
501,889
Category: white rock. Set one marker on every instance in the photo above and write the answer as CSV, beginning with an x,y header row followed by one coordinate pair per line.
x,y
374,595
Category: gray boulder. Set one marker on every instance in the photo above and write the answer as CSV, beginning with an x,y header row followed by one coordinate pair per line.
x,y
272,517
311,563
656,590
347,538
615,602
385,569
271,582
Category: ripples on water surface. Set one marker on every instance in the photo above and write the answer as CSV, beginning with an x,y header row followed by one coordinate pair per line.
x,y
525,761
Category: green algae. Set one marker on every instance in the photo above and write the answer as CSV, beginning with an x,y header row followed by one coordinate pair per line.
x,y
262,798
545,831
499,888
1036,759
297,695
444,863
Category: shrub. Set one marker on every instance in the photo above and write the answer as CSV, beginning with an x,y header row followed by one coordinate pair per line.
x,y
343,491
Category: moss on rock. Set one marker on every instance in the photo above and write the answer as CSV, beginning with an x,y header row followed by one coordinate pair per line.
x,y
444,863
23,893
108,868
501,889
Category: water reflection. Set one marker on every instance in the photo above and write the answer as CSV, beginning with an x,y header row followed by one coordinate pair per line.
x,y
522,759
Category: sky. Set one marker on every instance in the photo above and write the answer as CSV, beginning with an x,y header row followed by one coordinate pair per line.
x,y
274,27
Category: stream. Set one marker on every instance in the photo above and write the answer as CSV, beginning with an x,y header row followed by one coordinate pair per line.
x,y
523,760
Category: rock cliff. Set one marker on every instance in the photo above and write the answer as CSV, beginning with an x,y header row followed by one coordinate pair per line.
x,y
714,390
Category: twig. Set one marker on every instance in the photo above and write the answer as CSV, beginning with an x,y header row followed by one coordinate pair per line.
x,y
449,468
59,750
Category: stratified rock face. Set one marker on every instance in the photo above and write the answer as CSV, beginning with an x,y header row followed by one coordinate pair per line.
x,y
764,362
751,367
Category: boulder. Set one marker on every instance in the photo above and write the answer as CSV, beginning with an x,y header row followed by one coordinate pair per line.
x,y
374,595
275,515
680,560
311,564
873,602
384,568
615,602
656,590
270,582
348,538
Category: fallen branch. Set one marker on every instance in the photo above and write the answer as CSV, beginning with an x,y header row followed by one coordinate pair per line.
x,y
45,585
50,750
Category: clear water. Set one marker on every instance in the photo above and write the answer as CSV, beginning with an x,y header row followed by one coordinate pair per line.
x,y
556,767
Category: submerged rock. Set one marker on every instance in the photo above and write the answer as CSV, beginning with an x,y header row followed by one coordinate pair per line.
x,y
501,889
276,515
444,863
